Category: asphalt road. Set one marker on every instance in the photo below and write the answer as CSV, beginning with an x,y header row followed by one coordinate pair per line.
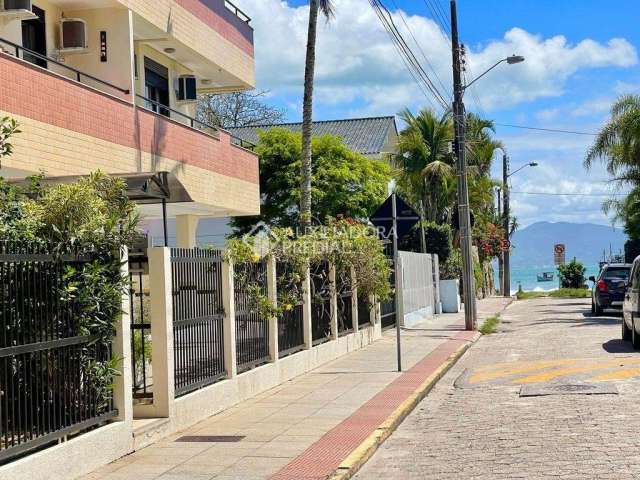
x,y
580,418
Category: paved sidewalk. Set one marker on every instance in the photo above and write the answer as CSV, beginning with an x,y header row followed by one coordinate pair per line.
x,y
306,427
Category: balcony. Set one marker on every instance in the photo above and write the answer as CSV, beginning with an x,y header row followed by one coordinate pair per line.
x,y
70,127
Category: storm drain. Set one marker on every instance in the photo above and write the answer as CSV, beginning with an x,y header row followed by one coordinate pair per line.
x,y
568,389
210,439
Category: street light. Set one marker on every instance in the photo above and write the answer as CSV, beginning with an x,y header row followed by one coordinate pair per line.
x,y
470,317
506,255
512,60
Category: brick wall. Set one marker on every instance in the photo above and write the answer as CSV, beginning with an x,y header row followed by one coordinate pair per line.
x,y
31,92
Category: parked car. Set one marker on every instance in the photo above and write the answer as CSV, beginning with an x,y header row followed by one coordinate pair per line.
x,y
609,287
631,307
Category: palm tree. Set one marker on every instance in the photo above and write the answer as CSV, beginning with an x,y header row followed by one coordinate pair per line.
x,y
618,147
618,142
426,162
326,6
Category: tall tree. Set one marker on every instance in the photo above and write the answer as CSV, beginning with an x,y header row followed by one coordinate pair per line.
x,y
238,109
617,146
344,182
326,6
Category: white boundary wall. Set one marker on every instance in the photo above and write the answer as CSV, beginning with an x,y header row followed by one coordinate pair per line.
x,y
419,289
87,452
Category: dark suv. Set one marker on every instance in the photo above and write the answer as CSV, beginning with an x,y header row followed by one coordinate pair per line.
x,y
610,286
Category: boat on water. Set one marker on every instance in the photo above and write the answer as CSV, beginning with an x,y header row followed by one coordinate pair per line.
x,y
545,277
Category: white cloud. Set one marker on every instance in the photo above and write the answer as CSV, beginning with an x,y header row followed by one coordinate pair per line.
x,y
356,62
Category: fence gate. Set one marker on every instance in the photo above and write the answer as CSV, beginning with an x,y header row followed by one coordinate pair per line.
x,y
344,290
198,315
140,324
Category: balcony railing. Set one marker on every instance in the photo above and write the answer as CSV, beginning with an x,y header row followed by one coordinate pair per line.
x,y
238,13
32,57
161,109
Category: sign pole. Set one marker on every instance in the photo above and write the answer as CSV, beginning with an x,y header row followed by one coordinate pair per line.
x,y
394,215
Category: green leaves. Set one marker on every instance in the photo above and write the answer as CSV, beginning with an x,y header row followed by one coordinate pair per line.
x,y
8,127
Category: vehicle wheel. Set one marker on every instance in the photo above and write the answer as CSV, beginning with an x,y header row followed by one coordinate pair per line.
x,y
626,332
598,310
635,338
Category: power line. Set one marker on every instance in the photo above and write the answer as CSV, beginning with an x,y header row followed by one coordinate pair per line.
x,y
439,16
571,194
433,70
413,65
552,130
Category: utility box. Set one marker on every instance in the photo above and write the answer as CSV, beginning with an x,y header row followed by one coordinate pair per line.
x,y
449,296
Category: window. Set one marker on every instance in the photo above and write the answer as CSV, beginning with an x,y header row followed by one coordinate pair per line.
x,y
617,273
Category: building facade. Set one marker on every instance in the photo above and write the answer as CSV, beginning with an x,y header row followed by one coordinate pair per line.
x,y
111,85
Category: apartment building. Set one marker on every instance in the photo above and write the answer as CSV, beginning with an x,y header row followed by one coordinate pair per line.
x,y
112,85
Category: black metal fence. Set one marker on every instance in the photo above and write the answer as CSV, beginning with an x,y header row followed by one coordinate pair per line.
x,y
388,308
198,315
344,291
320,303
252,330
364,311
142,381
47,390
290,322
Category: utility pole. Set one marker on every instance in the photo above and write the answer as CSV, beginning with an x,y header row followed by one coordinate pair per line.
x,y
463,191
506,280
501,256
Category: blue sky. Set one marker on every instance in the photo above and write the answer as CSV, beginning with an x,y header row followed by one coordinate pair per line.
x,y
580,57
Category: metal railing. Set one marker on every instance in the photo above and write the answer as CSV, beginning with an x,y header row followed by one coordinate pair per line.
x,y
198,315
79,75
47,390
320,303
345,308
291,321
252,331
238,13
165,111
142,381
364,311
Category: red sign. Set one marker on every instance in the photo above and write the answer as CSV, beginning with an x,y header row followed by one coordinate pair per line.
x,y
559,254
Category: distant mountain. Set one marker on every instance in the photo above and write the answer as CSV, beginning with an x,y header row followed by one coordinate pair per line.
x,y
533,245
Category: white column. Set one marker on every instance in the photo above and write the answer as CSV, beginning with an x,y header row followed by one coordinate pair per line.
x,y
306,310
161,299
229,323
354,300
186,230
334,301
122,387
273,298
436,283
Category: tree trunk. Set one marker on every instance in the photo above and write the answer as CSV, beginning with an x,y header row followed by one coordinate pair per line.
x,y
307,113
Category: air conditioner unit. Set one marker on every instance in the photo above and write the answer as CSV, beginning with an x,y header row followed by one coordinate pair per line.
x,y
17,9
73,36
186,89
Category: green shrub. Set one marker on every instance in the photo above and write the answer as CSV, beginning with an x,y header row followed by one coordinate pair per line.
x,y
572,274
438,240
452,268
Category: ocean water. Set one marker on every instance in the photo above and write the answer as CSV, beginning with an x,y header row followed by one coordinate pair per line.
x,y
527,277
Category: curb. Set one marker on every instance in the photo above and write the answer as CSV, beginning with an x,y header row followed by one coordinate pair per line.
x,y
356,459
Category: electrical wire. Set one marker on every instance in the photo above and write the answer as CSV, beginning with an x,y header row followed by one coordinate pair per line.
x,y
552,130
433,70
418,73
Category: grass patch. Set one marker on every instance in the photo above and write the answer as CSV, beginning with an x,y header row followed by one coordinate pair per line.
x,y
490,324
571,293
527,295
560,293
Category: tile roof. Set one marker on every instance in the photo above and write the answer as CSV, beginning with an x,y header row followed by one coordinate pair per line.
x,y
367,136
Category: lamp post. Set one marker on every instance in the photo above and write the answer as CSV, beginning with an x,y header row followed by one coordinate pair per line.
x,y
506,255
459,146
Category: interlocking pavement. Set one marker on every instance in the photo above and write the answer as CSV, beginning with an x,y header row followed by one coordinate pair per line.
x,y
304,428
475,425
